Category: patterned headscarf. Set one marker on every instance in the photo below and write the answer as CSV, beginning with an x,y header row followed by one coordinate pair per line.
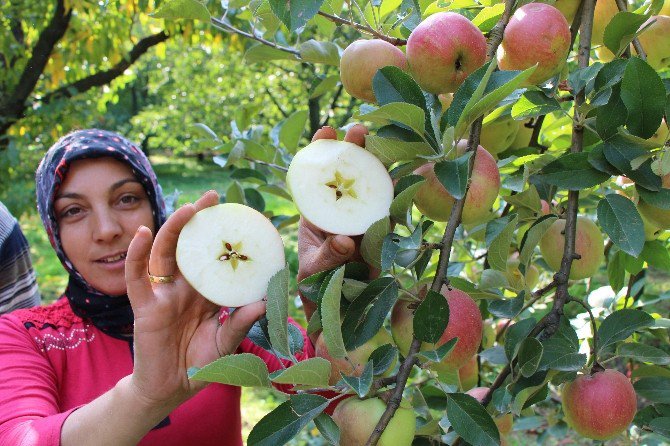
x,y
111,314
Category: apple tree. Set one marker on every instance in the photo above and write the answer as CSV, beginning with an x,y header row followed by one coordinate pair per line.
x,y
521,257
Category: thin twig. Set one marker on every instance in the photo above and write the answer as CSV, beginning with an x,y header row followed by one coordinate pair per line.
x,y
274,166
230,28
363,28
594,347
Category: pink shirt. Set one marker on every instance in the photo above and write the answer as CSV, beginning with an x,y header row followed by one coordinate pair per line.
x,y
52,362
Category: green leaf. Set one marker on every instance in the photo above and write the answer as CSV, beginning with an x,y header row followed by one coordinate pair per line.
x,y
366,314
383,357
515,334
620,152
324,86
390,150
616,271
406,189
243,370
506,307
584,78
611,115
488,17
533,104
250,175
561,351
439,353
182,9
643,353
314,324
656,254
573,172
620,219
327,428
660,199
654,388
661,425
296,13
431,317
264,53
499,247
371,245
621,30
453,175
292,128
310,372
360,384
530,353
277,311
310,286
320,52
621,324
643,92
286,420
330,315
275,190
532,237
235,193
391,84
403,113
471,421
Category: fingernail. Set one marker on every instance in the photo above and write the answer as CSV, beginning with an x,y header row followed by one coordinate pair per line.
x,y
340,249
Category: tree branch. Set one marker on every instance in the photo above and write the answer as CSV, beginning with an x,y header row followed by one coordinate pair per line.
x,y
363,28
276,103
333,105
220,24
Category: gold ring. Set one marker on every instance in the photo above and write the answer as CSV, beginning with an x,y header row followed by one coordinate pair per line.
x,y
161,279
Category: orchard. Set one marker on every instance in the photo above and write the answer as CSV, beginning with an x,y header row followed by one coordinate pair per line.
x,y
510,206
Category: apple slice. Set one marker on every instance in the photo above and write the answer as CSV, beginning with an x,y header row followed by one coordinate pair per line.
x,y
339,186
229,253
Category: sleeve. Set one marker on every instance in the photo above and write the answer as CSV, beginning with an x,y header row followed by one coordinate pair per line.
x,y
29,412
18,287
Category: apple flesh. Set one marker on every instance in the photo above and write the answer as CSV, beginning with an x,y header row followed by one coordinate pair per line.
x,y
537,33
339,187
229,253
499,134
588,244
599,406
433,200
356,358
357,419
361,60
465,323
443,50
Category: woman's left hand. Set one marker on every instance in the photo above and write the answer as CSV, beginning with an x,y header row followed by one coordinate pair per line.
x,y
175,327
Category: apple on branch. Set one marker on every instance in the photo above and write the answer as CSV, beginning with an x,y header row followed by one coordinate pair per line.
x,y
229,253
339,187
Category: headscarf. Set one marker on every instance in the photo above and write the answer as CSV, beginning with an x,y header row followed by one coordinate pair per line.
x,y
111,314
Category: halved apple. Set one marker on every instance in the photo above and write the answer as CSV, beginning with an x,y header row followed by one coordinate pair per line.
x,y
229,253
339,186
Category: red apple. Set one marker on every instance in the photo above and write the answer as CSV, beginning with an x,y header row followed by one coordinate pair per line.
x,y
599,406
468,374
443,50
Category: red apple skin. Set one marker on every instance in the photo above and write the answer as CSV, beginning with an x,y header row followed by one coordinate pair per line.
x,y
357,419
433,200
358,357
443,50
465,322
545,210
468,374
656,216
599,406
361,60
588,244
537,33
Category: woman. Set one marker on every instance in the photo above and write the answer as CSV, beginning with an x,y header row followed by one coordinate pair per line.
x,y
107,363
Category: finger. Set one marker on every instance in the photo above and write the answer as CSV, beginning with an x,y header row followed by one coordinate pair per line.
x,y
162,261
236,327
208,199
325,133
335,251
356,134
137,278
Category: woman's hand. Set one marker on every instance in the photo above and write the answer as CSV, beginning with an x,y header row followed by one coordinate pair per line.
x,y
175,327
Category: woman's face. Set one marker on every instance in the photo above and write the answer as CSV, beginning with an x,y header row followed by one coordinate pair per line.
x,y
99,207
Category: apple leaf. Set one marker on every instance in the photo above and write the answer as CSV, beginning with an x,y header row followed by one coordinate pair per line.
x,y
360,384
403,113
453,175
507,308
291,130
310,286
371,245
573,172
659,199
661,426
529,355
264,53
235,193
621,324
296,13
405,190
330,315
324,86
494,355
491,279
532,237
471,421
310,372
621,31
328,429
533,104
286,420
383,357
656,254
611,115
499,247
275,190
439,353
182,9
620,152
243,370
584,78
391,84
528,393
654,388
515,334
561,351
598,161
320,52
390,150
643,353
620,219
314,324
488,17
277,311
431,317
644,95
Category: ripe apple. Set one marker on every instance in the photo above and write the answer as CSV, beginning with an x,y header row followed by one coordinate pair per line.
x,y
433,200
465,323
588,244
361,60
537,33
655,40
443,50
339,186
517,280
656,216
468,374
229,253
599,406
498,134
603,14
357,419
357,358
